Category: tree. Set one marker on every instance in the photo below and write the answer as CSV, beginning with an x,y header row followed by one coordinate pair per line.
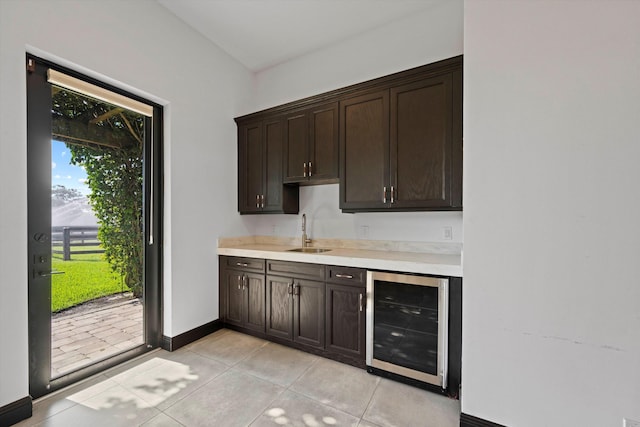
x,y
108,142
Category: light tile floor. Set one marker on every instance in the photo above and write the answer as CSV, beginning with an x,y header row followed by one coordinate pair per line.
x,y
230,379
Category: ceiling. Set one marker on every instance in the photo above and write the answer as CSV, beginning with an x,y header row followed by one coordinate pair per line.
x,y
263,33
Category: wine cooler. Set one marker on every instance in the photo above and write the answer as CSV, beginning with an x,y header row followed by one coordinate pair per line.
x,y
407,326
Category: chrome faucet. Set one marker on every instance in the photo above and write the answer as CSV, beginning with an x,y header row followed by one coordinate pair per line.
x,y
305,240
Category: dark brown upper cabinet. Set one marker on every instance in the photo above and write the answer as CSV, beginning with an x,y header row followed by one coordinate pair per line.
x,y
394,144
260,158
311,145
401,147
364,159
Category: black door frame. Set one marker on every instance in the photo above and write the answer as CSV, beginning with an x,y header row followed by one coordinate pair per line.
x,y
39,229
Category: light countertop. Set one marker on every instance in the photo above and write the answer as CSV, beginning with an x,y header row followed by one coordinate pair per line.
x,y
409,257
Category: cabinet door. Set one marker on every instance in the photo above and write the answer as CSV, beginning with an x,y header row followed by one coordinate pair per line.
x,y
421,143
364,151
250,167
279,307
273,139
345,330
296,147
254,302
308,314
324,143
234,298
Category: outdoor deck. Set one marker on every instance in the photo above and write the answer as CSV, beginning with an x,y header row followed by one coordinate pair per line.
x,y
92,332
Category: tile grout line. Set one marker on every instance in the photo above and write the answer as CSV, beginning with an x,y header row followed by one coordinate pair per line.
x,y
190,349
370,399
268,404
328,404
228,368
166,415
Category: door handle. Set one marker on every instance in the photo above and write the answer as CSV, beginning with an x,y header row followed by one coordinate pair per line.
x,y
48,273
361,303
296,289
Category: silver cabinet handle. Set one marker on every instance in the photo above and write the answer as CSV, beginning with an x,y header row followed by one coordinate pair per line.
x,y
244,282
239,287
344,276
242,264
304,169
262,201
384,194
258,201
310,170
290,288
361,303
296,289
392,198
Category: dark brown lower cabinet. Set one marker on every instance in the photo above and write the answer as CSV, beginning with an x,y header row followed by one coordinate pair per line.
x,y
234,297
311,306
295,310
345,327
308,313
245,299
279,307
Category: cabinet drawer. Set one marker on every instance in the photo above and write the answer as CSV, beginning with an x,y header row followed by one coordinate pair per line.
x,y
253,264
297,269
346,275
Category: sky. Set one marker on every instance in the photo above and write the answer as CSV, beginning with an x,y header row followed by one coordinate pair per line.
x,y
63,173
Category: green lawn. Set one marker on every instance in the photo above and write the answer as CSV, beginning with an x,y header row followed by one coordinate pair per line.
x,y
87,276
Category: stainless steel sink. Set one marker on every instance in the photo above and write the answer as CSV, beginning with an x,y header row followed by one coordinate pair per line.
x,y
309,250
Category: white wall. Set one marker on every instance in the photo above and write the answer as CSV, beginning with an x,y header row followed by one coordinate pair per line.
x,y
325,220
551,329
429,36
140,45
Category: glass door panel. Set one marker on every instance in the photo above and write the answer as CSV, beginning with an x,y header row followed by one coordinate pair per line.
x,y
93,215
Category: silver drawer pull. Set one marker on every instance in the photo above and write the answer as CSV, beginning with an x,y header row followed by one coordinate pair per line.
x,y
344,276
242,264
